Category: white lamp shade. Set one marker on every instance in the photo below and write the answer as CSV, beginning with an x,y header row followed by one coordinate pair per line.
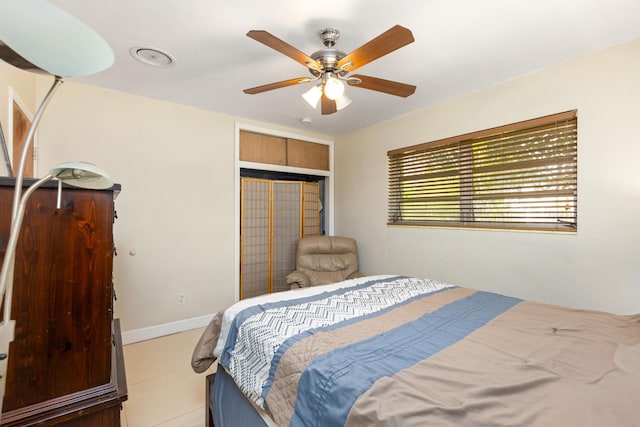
x,y
82,175
342,102
313,95
50,39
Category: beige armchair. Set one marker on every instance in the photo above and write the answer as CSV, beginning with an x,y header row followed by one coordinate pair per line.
x,y
324,259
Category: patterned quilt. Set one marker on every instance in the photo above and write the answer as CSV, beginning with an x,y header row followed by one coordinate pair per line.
x,y
392,350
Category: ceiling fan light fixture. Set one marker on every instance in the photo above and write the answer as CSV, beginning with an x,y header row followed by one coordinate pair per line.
x,y
313,95
333,88
342,102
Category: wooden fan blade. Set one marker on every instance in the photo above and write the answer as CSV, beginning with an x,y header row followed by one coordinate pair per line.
x,y
385,43
328,105
285,48
276,85
382,85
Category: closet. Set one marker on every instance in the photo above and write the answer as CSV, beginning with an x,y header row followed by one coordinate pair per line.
x,y
277,207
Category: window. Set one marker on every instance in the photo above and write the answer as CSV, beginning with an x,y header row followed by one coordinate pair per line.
x,y
518,176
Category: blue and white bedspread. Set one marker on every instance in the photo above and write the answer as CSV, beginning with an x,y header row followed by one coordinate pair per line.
x,y
395,350
261,334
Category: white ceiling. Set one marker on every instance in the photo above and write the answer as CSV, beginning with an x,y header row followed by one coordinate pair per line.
x,y
460,46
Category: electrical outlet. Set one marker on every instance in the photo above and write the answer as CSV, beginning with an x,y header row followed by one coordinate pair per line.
x,y
182,297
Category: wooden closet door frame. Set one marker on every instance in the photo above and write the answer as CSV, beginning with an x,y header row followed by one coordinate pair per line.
x,y
329,187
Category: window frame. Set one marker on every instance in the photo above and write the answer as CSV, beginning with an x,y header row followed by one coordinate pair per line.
x,y
527,179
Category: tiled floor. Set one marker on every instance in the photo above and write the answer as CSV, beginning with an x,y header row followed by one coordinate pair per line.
x,y
163,390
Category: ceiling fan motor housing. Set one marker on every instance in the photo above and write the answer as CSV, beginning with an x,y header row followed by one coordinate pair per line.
x,y
328,59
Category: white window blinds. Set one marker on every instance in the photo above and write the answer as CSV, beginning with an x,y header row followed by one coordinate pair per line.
x,y
518,176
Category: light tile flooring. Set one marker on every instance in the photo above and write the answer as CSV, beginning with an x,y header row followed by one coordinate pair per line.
x,y
163,390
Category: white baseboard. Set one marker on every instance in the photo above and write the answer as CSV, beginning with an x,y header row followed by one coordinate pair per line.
x,y
143,334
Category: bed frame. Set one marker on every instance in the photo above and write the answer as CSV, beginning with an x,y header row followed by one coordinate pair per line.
x,y
207,400
234,401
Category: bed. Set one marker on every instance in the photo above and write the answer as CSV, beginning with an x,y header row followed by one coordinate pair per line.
x,y
407,351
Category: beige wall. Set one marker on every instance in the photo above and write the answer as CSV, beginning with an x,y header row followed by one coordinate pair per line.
x,y
176,209
598,267
175,165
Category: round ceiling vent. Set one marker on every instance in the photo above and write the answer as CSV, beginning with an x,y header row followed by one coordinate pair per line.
x,y
153,56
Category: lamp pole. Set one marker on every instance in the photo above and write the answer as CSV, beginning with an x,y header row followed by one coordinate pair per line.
x,y
7,326
8,261
27,145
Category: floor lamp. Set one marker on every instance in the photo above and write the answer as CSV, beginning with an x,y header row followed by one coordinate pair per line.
x,y
39,37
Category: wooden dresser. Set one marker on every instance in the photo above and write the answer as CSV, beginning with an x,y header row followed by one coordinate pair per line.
x,y
65,362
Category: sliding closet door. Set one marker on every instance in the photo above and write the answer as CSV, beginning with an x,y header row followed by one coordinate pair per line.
x,y
286,222
311,209
275,214
254,237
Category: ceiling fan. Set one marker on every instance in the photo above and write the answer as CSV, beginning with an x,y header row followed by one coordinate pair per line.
x,y
331,67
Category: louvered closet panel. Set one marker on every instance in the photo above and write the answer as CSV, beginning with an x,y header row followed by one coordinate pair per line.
x,y
311,209
275,215
254,237
285,231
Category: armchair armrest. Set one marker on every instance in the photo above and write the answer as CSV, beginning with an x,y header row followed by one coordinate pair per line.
x,y
355,275
298,279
